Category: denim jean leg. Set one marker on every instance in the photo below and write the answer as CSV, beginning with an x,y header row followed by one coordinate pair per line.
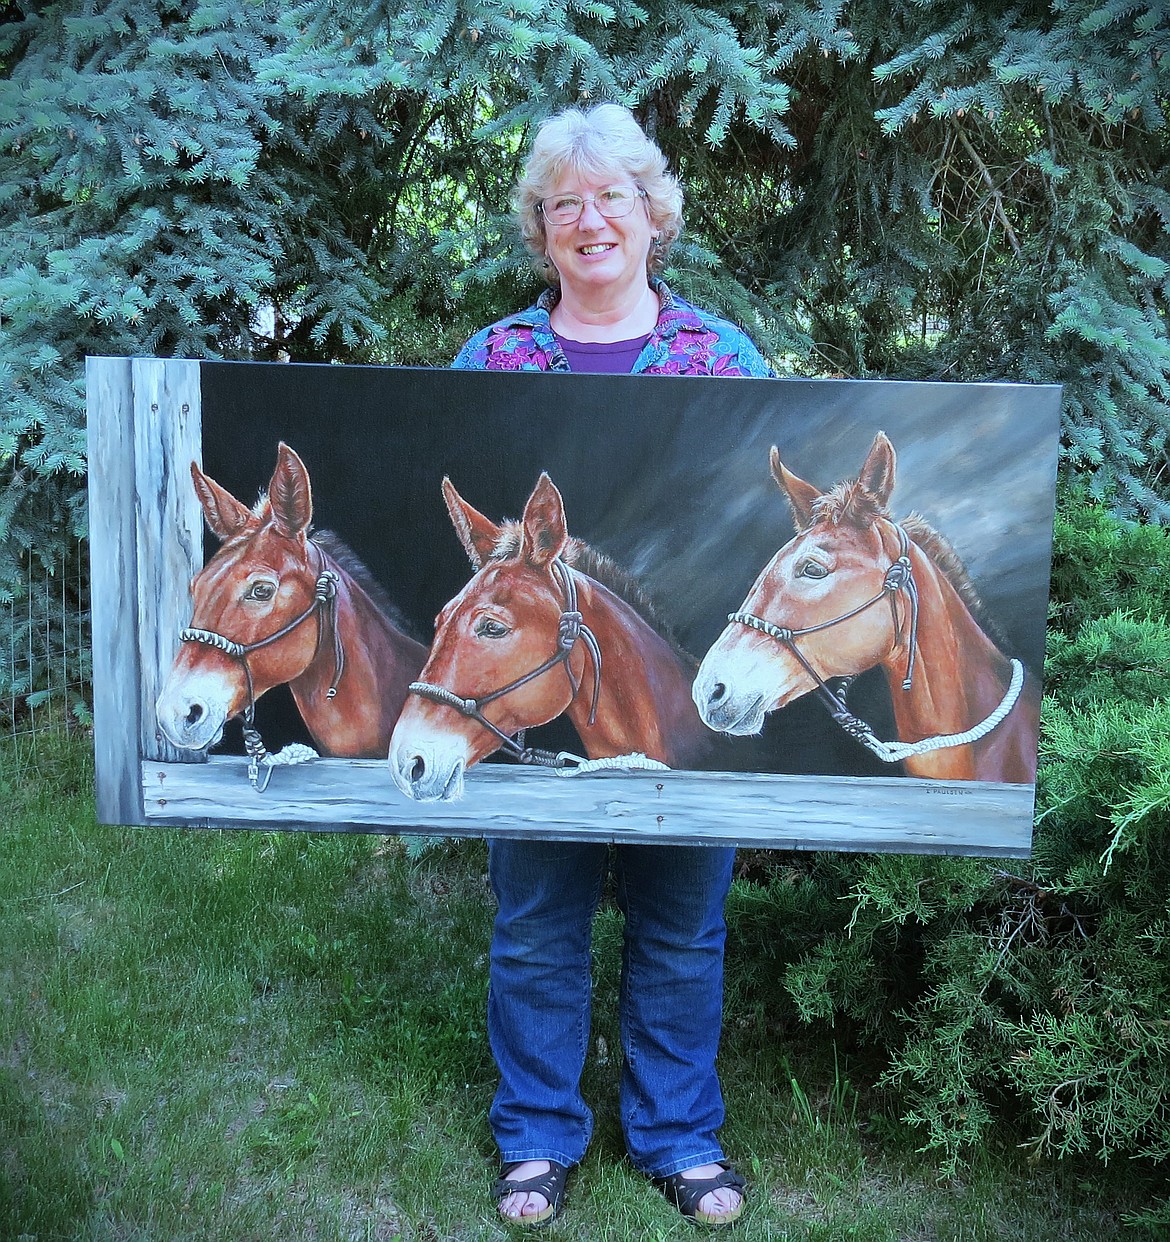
x,y
539,994
672,1002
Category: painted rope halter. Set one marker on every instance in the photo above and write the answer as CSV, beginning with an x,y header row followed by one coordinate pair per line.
x,y
570,628
899,577
324,607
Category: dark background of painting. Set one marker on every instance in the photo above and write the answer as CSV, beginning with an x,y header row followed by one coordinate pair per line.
x,y
668,476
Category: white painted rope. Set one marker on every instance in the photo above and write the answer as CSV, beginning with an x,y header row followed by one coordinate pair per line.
x,y
295,753
894,752
635,762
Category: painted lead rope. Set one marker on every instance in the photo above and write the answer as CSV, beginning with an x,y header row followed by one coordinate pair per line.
x,y
895,752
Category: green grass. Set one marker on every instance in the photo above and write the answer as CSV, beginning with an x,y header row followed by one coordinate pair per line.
x,y
241,1036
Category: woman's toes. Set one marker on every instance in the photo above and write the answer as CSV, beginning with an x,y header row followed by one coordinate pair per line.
x,y
720,1202
525,1202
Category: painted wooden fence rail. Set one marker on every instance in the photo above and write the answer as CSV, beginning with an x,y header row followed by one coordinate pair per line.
x,y
780,812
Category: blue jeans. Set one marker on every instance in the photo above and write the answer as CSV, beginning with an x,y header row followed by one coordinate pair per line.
x,y
671,998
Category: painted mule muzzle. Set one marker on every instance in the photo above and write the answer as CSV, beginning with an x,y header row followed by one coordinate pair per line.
x,y
196,703
426,763
741,679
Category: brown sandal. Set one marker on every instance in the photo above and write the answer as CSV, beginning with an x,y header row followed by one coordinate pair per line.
x,y
687,1193
550,1184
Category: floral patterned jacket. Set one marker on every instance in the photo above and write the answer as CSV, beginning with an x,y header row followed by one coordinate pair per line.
x,y
685,341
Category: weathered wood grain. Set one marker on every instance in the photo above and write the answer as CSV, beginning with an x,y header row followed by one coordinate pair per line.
x,y
784,812
113,557
168,436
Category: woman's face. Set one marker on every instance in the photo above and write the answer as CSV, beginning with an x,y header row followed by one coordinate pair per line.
x,y
593,253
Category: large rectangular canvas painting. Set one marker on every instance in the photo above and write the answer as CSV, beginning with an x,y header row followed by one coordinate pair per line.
x,y
792,613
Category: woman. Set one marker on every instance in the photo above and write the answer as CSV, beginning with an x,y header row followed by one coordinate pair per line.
x,y
599,211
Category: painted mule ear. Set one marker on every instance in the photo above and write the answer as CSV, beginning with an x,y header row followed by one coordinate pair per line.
x,y
544,524
224,514
877,474
477,534
290,496
801,495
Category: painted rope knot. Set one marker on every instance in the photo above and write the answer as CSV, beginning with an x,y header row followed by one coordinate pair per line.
x,y
899,575
568,630
327,582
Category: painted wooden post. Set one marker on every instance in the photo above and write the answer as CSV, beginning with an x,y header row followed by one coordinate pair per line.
x,y
167,438
143,424
113,553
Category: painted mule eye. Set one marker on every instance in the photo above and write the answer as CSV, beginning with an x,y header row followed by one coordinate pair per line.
x,y
489,627
262,591
812,569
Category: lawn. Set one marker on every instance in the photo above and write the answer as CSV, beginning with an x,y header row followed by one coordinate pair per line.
x,y
280,1037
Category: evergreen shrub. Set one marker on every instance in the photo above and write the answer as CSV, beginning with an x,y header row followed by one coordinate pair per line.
x,y
156,197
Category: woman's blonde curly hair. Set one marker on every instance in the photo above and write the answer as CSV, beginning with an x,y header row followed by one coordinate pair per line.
x,y
603,143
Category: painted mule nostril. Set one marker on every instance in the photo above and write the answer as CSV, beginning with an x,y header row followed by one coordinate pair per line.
x,y
194,714
417,769
718,692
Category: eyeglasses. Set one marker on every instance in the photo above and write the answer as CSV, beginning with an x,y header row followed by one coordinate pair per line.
x,y
613,202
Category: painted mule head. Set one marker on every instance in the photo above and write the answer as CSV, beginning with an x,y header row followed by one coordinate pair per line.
x,y
263,578
503,625
843,549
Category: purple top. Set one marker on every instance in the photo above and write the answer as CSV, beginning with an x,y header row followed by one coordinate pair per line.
x,y
603,357
685,341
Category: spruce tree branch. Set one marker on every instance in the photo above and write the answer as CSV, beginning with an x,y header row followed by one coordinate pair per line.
x,y
996,196
943,163
405,161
